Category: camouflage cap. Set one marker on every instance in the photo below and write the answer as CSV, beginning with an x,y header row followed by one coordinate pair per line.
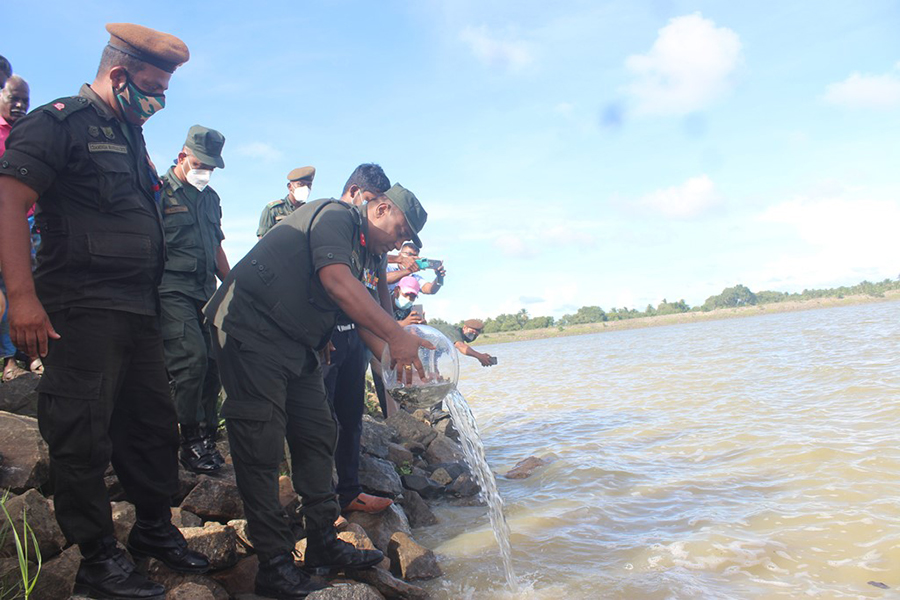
x,y
206,144
162,50
476,324
409,204
302,173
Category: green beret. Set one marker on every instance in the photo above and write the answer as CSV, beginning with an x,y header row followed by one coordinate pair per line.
x,y
206,144
302,173
407,202
476,324
162,50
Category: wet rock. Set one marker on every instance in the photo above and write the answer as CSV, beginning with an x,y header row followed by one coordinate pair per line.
x,y
411,429
240,578
217,541
378,476
57,576
454,469
190,591
214,499
25,461
422,415
442,449
464,486
410,560
423,486
347,591
525,468
399,455
417,510
123,517
441,476
376,437
182,518
390,586
381,526
39,515
447,429
20,396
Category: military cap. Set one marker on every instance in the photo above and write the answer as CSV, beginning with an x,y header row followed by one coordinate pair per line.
x,y
476,324
206,144
302,173
162,50
407,202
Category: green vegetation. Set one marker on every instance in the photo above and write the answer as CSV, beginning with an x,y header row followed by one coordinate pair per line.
x,y
24,586
732,297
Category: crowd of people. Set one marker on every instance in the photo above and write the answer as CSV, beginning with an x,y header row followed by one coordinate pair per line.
x,y
138,321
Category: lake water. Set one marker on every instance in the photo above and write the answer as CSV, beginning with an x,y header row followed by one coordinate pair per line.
x,y
744,458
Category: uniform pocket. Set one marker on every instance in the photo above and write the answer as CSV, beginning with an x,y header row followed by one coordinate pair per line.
x,y
71,417
182,264
173,330
247,410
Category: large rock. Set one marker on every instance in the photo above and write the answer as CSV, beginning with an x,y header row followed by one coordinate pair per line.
x,y
38,513
417,510
218,542
390,586
20,396
25,460
410,560
375,437
441,476
377,476
190,591
183,518
123,517
58,576
445,427
526,467
424,486
442,449
240,578
159,573
347,591
187,481
399,455
381,526
454,469
215,499
354,535
464,486
411,429
240,528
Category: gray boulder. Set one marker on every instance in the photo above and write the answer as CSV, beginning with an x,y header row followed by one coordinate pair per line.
x,y
378,476
58,576
417,510
526,467
381,526
411,429
410,560
38,513
20,396
214,499
424,486
25,459
442,449
390,586
347,591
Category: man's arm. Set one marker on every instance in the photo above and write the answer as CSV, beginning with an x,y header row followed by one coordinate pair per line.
x,y
222,267
29,326
384,296
464,348
395,276
433,287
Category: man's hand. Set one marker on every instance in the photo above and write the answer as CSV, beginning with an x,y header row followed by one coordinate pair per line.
x,y
405,354
413,318
325,353
485,360
29,326
408,263
441,272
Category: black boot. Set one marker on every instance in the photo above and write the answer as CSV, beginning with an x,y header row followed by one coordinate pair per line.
x,y
105,572
325,552
210,435
194,454
279,577
161,540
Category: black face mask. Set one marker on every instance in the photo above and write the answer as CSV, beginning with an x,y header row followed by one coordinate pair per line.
x,y
470,337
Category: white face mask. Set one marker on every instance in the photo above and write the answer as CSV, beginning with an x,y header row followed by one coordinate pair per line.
x,y
199,178
402,302
300,194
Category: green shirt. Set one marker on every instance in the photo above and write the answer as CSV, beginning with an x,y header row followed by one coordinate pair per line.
x,y
193,225
274,213
273,300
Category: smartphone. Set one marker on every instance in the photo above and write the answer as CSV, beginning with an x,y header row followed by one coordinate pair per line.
x,y
418,308
493,360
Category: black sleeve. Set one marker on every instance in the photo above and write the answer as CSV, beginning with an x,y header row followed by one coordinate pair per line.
x,y
37,150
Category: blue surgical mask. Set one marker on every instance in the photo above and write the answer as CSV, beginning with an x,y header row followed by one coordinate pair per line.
x,y
402,302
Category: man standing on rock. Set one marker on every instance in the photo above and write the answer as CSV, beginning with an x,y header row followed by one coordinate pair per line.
x,y
92,307
274,313
192,216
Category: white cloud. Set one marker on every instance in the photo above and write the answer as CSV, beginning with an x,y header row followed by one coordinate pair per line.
x,y
689,67
690,199
260,150
866,91
494,51
514,246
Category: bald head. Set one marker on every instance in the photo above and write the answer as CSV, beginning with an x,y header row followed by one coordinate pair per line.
x,y
14,99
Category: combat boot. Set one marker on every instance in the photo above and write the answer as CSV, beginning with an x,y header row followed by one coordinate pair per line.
x,y
194,453
210,435
105,572
163,541
279,577
326,553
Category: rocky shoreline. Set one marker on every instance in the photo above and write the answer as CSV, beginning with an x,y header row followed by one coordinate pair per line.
x,y
413,458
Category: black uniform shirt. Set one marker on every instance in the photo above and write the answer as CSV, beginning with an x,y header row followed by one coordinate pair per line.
x,y
101,229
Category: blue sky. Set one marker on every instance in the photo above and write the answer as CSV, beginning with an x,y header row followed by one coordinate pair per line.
x,y
568,153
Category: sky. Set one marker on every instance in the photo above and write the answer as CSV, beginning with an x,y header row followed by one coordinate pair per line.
x,y
568,153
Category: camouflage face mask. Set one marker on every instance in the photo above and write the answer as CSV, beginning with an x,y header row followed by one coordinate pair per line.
x,y
137,105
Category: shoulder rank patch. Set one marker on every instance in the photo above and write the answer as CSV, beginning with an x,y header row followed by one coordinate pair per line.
x,y
274,203
279,217
101,147
94,131
171,210
64,107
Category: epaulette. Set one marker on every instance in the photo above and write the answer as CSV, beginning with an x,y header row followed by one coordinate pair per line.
x,y
64,107
275,203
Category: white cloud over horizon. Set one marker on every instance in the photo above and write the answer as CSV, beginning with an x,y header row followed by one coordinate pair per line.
x,y
690,66
866,91
497,50
690,199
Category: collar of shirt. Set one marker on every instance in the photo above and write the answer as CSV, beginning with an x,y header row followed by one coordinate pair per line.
x,y
177,185
97,102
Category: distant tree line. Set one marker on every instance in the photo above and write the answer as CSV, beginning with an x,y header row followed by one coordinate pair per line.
x,y
731,297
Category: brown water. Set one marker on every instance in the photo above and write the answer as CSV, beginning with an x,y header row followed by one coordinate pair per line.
x,y
745,458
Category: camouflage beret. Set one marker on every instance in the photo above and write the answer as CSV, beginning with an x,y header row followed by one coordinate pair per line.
x,y
302,173
474,324
162,50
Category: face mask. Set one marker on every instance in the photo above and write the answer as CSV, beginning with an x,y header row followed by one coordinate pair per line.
x,y
300,194
199,178
137,105
470,337
402,302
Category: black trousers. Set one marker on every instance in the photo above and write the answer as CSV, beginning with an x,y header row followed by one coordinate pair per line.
x,y
266,403
104,396
345,382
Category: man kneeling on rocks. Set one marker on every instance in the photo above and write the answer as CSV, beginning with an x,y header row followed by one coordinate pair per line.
x,y
274,312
